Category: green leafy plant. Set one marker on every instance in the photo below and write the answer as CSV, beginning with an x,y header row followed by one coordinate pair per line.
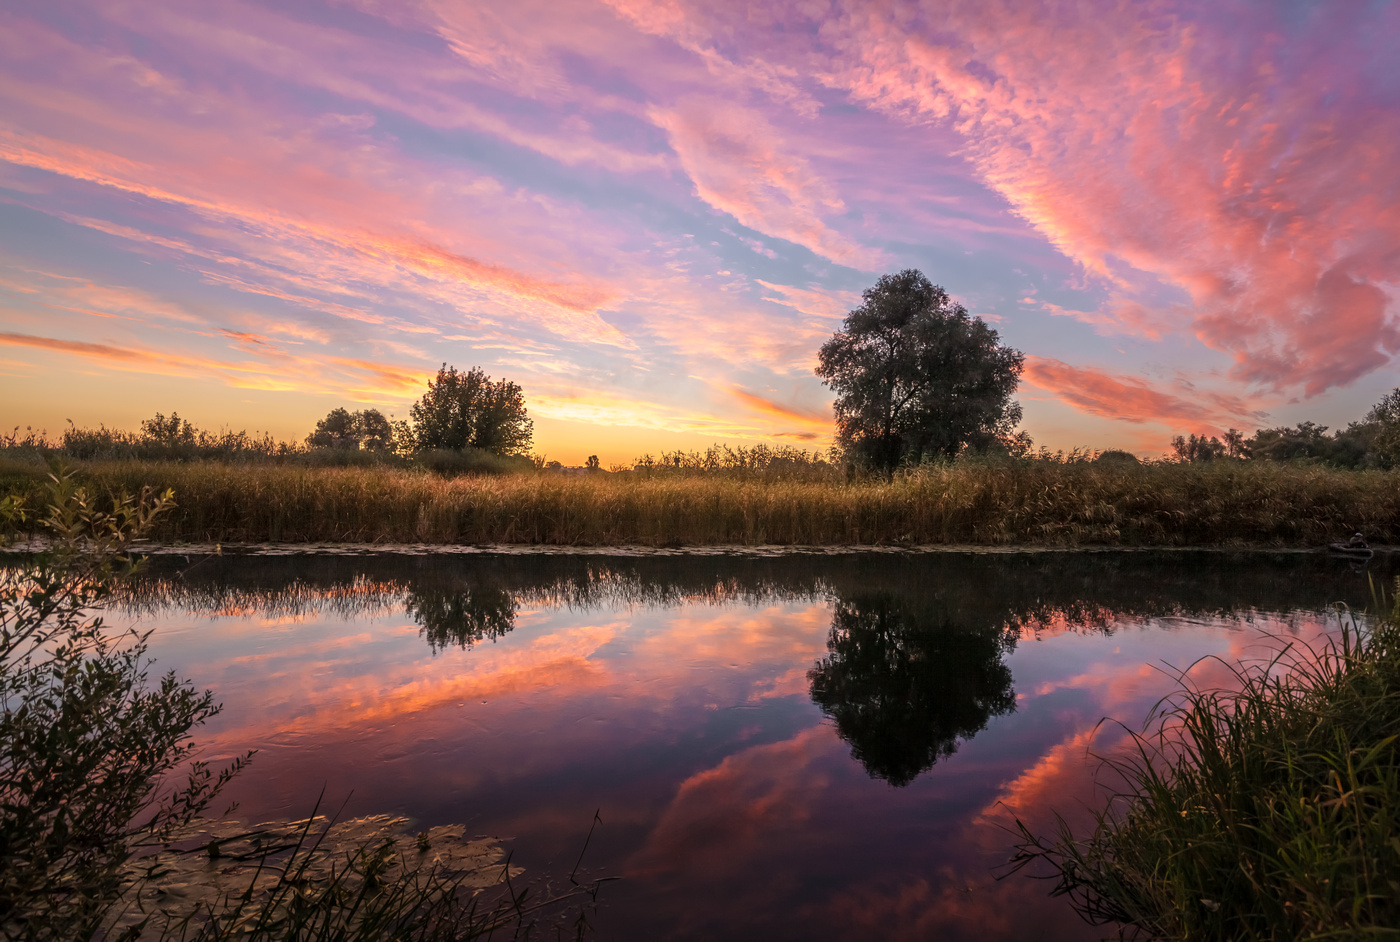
x,y
86,741
468,410
367,429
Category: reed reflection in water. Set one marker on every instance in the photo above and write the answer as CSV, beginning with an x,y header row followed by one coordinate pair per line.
x,y
792,747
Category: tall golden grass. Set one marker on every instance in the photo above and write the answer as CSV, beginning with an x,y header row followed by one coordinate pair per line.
x,y
1082,503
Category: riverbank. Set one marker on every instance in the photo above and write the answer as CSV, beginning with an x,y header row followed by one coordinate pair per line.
x,y
1264,811
1037,503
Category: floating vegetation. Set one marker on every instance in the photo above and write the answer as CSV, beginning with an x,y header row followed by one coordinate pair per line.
x,y
355,878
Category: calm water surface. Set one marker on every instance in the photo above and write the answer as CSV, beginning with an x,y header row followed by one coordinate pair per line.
x,y
778,748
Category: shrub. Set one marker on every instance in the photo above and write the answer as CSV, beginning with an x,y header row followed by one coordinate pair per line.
x,y
91,816
342,429
449,462
85,740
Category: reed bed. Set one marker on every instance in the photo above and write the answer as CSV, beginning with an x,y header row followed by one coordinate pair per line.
x,y
1268,811
1032,502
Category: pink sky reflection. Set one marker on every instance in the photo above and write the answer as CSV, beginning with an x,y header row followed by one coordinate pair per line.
x,y
692,731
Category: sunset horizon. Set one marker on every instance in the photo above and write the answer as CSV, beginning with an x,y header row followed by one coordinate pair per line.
x,y
651,215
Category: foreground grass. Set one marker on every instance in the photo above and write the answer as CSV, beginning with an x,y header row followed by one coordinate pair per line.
x,y
1268,813
1032,502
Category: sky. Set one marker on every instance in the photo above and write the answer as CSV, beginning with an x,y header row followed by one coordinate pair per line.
x,y
651,213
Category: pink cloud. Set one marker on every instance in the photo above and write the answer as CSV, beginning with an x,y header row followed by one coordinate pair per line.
x,y
765,406
814,300
732,809
1131,136
271,369
1134,400
401,77
326,199
1220,174
1207,155
82,348
1120,316
308,237
739,165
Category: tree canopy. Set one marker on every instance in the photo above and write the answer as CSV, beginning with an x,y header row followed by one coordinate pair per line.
x,y
464,410
341,428
461,615
916,376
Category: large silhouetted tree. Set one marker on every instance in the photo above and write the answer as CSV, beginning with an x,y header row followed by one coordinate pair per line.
x,y
469,410
904,684
916,376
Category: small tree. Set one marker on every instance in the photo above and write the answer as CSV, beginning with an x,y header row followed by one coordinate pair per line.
x,y
469,410
172,432
340,428
1198,448
1385,418
916,376
1305,440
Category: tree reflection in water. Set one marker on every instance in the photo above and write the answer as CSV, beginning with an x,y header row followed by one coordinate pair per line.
x,y
904,683
461,616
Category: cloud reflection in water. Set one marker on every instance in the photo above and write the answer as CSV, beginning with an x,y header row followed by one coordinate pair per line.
x,y
711,708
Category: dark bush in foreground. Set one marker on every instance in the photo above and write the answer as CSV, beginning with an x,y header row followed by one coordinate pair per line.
x,y
85,739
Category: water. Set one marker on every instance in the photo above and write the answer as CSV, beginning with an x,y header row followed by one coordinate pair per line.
x,y
777,748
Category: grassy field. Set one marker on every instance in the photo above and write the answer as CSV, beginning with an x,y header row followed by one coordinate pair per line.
x,y
1267,812
1032,502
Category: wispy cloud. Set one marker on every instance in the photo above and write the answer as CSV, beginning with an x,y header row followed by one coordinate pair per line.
x,y
276,370
768,407
1131,399
738,164
668,196
1238,158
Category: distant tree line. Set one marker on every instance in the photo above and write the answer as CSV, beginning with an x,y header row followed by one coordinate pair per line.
x,y
916,377
460,412
1373,442
160,438
465,421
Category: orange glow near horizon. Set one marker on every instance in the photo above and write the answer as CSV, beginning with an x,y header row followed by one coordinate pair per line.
x,y
650,215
